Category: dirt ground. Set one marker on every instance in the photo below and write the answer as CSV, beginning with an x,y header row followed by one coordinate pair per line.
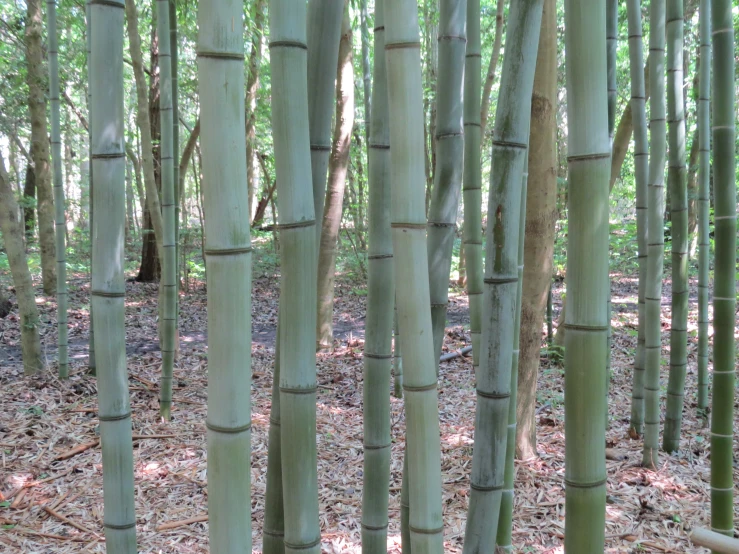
x,y
52,494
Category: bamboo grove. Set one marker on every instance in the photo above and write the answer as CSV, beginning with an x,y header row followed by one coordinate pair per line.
x,y
393,162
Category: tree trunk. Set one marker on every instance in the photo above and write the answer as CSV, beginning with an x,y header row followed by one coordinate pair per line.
x,y
338,165
152,220
693,193
450,155
29,199
40,143
509,152
252,88
24,294
366,69
228,257
108,284
541,215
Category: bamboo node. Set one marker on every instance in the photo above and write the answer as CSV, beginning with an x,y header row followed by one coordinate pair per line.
x,y
591,485
227,430
119,417
288,44
493,395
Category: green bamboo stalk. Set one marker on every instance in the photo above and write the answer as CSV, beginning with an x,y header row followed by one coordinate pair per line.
x,y
641,174
704,175
589,161
655,233
677,174
397,359
472,178
108,285
405,508
379,320
298,256
509,152
504,537
442,216
168,282
178,190
59,204
228,263
724,289
405,101
91,360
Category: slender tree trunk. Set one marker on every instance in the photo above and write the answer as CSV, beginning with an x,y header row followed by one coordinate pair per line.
x,y
379,320
29,197
704,176
405,101
298,255
541,215
366,68
108,285
655,234
15,250
693,193
252,88
153,214
187,155
639,94
450,156
59,203
490,77
40,143
472,179
587,270
724,292
228,257
679,216
338,165
509,151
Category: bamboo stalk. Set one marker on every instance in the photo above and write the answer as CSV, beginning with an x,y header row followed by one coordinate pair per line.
x,y
677,173
724,288
718,543
379,320
405,95
91,360
641,175
108,286
655,233
509,152
228,263
586,340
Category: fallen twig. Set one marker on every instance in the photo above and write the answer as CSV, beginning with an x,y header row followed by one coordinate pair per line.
x,y
66,520
77,450
456,354
175,524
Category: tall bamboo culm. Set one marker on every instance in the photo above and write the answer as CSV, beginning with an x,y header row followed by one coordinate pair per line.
x,y
611,70
677,175
59,204
472,178
586,340
91,361
228,264
405,111
509,152
168,284
641,175
504,536
108,285
379,320
704,175
724,288
442,216
298,257
655,233
178,193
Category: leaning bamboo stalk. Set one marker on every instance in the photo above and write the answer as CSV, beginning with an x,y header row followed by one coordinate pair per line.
x,y
228,263
298,256
655,233
724,288
677,174
472,178
168,282
641,174
589,159
405,94
108,285
504,535
91,361
379,320
718,543
492,65
59,205
510,147
704,247
443,209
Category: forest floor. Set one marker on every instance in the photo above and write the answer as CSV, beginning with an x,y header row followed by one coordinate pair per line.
x,y
51,473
